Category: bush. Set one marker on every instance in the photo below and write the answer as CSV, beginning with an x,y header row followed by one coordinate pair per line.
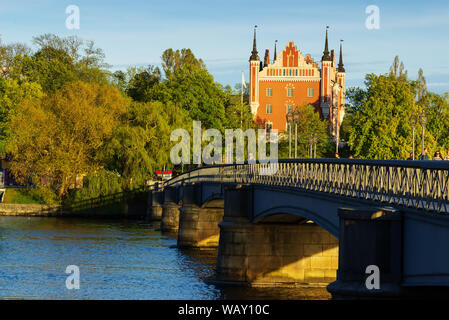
x,y
102,183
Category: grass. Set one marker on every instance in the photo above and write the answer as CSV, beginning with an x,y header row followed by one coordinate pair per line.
x,y
19,196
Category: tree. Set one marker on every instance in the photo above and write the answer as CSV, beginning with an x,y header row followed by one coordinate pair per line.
x,y
397,70
173,60
58,137
193,89
309,125
380,126
141,84
141,144
13,93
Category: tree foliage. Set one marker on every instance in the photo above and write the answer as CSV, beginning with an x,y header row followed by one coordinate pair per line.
x,y
57,137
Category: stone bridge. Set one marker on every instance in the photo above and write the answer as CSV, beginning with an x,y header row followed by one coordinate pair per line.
x,y
317,222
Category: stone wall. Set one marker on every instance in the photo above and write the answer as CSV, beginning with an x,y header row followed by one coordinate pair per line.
x,y
11,209
276,254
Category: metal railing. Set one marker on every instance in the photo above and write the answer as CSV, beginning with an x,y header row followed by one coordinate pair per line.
x,y
422,185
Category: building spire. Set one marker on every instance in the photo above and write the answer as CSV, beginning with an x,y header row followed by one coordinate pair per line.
x,y
254,55
326,56
340,63
275,55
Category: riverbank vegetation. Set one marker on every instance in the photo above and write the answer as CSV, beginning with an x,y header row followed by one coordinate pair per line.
x,y
66,121
379,119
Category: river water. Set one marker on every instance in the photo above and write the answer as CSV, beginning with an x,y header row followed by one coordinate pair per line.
x,y
117,259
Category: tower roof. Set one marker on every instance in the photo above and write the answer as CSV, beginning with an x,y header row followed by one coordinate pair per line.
x,y
340,63
254,56
275,55
326,56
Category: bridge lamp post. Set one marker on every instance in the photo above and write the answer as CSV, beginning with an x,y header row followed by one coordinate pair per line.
x,y
423,121
296,119
413,121
289,122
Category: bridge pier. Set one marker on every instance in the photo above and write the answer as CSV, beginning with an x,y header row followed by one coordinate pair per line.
x,y
155,202
272,254
170,210
198,226
369,237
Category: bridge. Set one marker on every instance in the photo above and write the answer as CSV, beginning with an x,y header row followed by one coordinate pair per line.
x,y
317,222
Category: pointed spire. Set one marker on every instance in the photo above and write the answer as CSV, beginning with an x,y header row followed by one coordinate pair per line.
x,y
275,54
254,55
326,56
340,63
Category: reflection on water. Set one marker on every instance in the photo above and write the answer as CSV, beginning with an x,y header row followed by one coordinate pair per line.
x,y
117,260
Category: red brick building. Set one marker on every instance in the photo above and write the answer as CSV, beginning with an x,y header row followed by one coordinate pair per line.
x,y
292,79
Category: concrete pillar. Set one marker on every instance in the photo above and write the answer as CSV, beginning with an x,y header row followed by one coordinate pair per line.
x,y
272,254
170,210
198,227
369,237
155,202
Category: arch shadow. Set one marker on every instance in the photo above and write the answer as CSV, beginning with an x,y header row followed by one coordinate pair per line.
x,y
294,214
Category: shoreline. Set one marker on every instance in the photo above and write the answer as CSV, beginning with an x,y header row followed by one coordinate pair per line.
x,y
120,211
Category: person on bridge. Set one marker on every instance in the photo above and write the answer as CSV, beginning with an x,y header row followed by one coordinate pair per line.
x,y
411,157
424,155
437,156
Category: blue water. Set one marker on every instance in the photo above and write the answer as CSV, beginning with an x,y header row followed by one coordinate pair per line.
x,y
116,259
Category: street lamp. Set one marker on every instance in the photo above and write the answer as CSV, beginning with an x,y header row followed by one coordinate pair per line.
x,y
296,119
413,121
289,121
423,121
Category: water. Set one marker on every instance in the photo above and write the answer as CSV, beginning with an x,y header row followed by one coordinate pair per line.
x,y
117,260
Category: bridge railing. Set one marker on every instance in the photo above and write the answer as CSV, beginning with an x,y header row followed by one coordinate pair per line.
x,y
422,185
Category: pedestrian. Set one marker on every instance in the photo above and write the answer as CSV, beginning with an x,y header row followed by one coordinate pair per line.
x,y
437,156
424,155
337,156
411,157
446,157
351,156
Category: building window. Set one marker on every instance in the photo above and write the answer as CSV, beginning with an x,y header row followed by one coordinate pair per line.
x,y
283,72
290,72
269,92
269,109
289,108
296,72
289,92
310,92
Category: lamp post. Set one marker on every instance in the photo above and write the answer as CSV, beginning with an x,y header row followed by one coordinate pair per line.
x,y
296,119
337,132
423,121
289,122
413,121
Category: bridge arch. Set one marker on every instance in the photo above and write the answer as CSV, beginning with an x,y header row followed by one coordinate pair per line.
x,y
292,214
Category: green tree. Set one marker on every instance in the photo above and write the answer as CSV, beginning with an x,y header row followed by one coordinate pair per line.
x,y
380,127
57,138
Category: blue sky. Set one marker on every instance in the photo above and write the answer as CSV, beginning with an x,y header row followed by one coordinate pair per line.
x,y
136,32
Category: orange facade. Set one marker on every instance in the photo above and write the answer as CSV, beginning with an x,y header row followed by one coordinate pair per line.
x,y
280,101
293,79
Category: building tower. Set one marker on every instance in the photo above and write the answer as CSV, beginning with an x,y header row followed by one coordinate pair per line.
x,y
341,81
254,69
326,70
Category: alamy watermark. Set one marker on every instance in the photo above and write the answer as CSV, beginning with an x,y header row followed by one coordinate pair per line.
x,y
373,280
212,152
73,280
72,22
372,22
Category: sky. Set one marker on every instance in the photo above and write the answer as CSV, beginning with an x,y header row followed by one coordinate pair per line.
x,y
136,32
